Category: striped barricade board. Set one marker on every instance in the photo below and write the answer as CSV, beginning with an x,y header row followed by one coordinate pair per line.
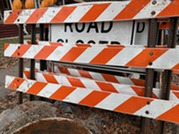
x,y
98,21
134,105
130,56
95,12
98,85
103,77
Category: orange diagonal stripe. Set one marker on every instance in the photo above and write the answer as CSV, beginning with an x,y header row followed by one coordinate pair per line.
x,y
36,87
15,83
170,115
62,93
138,90
85,74
94,98
106,87
50,78
45,52
36,15
176,68
132,9
12,17
63,14
21,50
144,57
110,78
73,53
6,46
132,105
170,10
94,12
75,82
27,74
64,70
105,55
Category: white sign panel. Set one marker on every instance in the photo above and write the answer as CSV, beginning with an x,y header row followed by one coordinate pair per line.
x,y
125,33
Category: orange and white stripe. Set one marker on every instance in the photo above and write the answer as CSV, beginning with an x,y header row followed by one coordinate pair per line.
x,y
89,83
98,76
134,105
97,85
134,56
95,12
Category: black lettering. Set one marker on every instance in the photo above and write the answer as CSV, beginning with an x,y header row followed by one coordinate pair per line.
x,y
79,42
108,29
115,43
103,42
91,42
70,26
140,27
93,25
60,40
80,29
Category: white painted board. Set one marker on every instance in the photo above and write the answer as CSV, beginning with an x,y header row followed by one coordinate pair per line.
x,y
124,33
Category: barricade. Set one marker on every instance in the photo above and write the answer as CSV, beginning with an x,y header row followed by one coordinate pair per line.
x,y
134,97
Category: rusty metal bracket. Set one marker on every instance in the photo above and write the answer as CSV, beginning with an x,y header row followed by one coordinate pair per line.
x,y
149,82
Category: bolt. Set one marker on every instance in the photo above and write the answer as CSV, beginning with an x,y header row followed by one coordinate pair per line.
x,y
150,63
147,112
151,53
153,13
18,54
148,103
18,20
154,2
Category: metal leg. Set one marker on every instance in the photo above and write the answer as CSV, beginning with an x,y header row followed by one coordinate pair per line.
x,y
21,64
149,80
43,65
32,61
167,74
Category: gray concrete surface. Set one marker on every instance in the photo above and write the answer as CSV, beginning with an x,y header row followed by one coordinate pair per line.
x,y
11,70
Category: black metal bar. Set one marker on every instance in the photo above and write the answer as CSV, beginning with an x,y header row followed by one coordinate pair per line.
x,y
32,61
166,81
100,68
21,64
149,78
43,65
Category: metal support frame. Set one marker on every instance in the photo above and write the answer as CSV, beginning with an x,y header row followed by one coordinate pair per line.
x,y
21,61
167,74
32,61
21,64
149,83
43,65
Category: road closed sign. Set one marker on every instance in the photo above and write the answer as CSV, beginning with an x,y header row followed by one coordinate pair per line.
x,y
124,33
